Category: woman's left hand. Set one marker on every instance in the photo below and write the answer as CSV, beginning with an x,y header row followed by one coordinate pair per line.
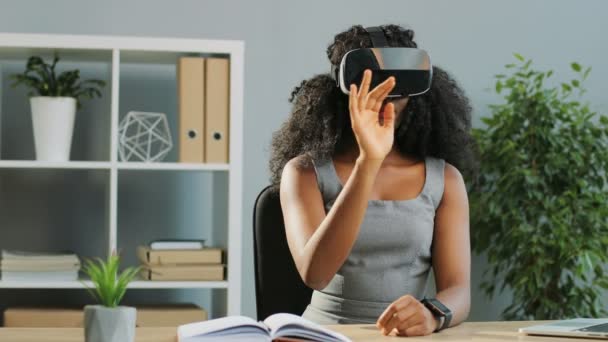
x,y
408,316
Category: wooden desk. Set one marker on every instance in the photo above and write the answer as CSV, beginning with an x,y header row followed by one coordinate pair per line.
x,y
482,331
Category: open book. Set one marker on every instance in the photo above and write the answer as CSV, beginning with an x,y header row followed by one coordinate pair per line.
x,y
240,328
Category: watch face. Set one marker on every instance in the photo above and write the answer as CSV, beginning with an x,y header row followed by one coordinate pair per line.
x,y
439,310
439,306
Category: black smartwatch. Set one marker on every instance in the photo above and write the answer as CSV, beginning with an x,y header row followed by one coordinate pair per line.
x,y
440,311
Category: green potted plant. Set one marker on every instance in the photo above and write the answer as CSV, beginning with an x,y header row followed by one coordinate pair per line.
x,y
54,100
109,322
539,204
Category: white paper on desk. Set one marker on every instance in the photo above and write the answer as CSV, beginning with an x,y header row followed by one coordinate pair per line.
x,y
240,328
284,325
211,330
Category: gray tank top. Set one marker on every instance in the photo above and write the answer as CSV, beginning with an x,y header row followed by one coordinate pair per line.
x,y
391,256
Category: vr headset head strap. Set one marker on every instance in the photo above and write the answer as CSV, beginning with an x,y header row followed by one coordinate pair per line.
x,y
376,34
334,74
378,37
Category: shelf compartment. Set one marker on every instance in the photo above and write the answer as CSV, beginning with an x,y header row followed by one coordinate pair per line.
x,y
154,204
47,210
138,91
149,87
91,136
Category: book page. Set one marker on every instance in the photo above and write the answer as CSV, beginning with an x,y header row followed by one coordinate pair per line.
x,y
284,325
231,338
226,326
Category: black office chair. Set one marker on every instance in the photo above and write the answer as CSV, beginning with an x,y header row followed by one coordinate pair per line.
x,y
278,285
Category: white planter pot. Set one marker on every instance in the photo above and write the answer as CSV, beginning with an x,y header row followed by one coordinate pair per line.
x,y
103,324
53,121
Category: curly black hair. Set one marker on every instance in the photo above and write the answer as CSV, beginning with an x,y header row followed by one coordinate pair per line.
x,y
437,123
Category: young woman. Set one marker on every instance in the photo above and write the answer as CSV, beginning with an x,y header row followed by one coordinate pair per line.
x,y
373,198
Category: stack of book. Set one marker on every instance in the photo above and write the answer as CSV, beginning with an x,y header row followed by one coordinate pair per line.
x,y
181,260
25,266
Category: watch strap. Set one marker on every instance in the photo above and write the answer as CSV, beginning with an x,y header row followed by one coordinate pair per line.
x,y
438,310
441,323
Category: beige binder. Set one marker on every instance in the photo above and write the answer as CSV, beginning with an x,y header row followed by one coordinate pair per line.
x,y
217,110
191,103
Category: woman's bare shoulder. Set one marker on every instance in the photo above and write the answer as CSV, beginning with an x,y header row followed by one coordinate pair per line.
x,y
299,172
454,186
452,174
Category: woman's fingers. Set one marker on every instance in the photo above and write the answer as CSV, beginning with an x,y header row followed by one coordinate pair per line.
x,y
393,308
361,99
380,100
381,88
416,330
379,93
353,104
414,319
364,89
389,116
400,317
382,97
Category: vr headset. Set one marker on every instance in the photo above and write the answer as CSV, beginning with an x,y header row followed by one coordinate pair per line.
x,y
411,67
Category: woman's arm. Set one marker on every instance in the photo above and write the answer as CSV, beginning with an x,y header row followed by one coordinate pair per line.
x,y
320,244
452,249
451,255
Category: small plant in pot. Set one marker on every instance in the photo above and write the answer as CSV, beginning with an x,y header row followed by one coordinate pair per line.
x,y
54,100
109,322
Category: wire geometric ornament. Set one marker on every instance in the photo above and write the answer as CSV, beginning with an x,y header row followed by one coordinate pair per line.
x,y
144,136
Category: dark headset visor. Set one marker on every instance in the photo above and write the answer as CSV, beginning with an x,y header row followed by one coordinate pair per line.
x,y
411,68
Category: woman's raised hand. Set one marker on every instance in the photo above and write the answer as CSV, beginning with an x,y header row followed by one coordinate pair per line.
x,y
374,130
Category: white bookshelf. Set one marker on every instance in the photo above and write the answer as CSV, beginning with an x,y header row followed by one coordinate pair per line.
x,y
139,284
32,164
173,166
86,165
116,52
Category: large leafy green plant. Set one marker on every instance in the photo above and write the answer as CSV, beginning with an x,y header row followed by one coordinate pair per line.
x,y
109,285
42,80
539,206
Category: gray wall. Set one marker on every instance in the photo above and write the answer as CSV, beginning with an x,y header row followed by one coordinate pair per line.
x,y
286,42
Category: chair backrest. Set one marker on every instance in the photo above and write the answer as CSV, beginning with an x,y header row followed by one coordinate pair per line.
x,y
278,285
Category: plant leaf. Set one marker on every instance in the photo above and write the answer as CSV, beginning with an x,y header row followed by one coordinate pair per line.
x,y
109,287
519,57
